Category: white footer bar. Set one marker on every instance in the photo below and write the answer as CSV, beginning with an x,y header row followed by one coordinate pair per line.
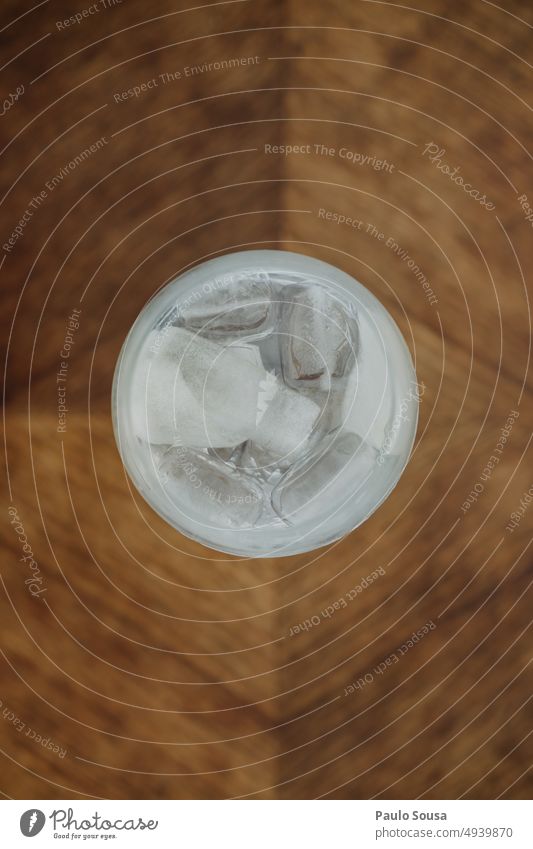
x,y
268,824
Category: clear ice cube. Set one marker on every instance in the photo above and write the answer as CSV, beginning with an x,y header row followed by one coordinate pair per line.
x,y
209,488
331,475
190,390
230,455
330,403
157,452
319,337
268,346
250,353
258,461
236,305
285,418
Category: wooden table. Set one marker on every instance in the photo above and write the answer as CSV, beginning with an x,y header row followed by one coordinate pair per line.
x,y
142,140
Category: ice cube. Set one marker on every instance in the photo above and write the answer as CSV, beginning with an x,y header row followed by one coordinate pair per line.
x,y
157,453
330,403
200,484
336,471
258,461
159,399
235,305
270,354
250,353
228,455
367,407
150,455
188,389
285,418
319,337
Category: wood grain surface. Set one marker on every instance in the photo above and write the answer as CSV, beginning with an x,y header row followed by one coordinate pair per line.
x,y
139,664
